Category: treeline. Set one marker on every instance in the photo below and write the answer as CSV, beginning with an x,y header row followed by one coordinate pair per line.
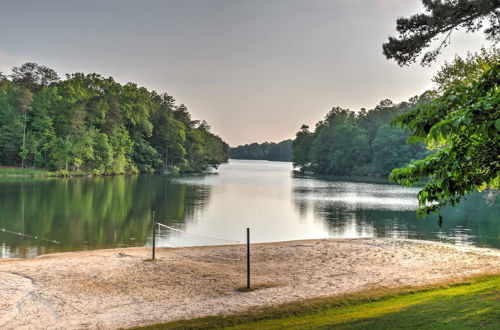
x,y
281,151
357,143
91,124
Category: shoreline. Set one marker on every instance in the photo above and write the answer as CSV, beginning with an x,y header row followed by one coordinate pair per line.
x,y
38,173
484,249
115,288
87,175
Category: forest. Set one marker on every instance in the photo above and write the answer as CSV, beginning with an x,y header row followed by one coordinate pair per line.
x,y
281,151
90,124
358,143
446,134
346,143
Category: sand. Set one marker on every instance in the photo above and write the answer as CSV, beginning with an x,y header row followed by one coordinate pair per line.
x,y
119,288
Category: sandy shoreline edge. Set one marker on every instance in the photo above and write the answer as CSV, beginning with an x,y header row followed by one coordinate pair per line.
x,y
116,288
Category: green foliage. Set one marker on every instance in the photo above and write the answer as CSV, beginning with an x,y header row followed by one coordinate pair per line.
x,y
33,76
391,149
281,151
301,146
362,143
13,108
466,70
464,122
92,124
339,149
442,17
204,149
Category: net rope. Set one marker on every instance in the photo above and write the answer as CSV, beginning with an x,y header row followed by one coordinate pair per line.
x,y
198,235
185,256
29,236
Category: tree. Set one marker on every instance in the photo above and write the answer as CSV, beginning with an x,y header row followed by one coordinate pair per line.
x,y
272,151
464,124
281,151
362,143
169,138
339,149
41,134
392,151
102,156
181,114
461,121
33,76
24,100
204,149
195,151
122,147
442,17
301,146
11,124
216,149
466,70
92,124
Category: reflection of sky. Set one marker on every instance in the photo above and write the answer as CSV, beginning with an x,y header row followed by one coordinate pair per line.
x,y
277,206
357,201
254,194
28,252
264,196
356,195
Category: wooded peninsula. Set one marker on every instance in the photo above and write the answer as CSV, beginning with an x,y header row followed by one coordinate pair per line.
x,y
88,124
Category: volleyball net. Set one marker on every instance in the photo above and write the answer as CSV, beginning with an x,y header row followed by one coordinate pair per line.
x,y
163,232
28,236
191,234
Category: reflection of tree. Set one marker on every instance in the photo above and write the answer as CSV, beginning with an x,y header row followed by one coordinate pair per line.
x,y
92,212
473,221
175,201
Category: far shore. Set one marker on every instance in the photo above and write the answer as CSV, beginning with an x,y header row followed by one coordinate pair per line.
x,y
13,172
119,288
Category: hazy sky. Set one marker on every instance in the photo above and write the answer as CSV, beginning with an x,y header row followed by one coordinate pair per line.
x,y
256,70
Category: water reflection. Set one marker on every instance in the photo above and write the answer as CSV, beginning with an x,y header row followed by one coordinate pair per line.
x,y
357,209
92,213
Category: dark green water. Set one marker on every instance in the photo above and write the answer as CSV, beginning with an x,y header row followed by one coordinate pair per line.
x,y
94,213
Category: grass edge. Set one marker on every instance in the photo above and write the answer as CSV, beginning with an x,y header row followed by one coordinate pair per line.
x,y
316,305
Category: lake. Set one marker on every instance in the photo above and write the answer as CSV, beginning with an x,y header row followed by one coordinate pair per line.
x,y
105,212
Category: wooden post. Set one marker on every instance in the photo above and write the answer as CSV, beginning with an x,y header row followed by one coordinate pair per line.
x,y
154,236
248,258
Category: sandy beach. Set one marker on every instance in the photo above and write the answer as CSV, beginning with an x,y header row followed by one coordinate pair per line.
x,y
120,288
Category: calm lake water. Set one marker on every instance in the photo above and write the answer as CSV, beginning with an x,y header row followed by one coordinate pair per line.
x,y
94,213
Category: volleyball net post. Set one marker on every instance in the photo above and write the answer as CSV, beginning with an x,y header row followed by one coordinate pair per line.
x,y
154,237
248,258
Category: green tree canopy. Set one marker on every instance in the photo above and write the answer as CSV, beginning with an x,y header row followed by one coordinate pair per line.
x,y
357,143
464,125
92,124
461,120
33,76
442,17
281,151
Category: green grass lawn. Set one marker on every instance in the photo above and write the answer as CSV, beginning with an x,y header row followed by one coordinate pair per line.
x,y
469,305
11,171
